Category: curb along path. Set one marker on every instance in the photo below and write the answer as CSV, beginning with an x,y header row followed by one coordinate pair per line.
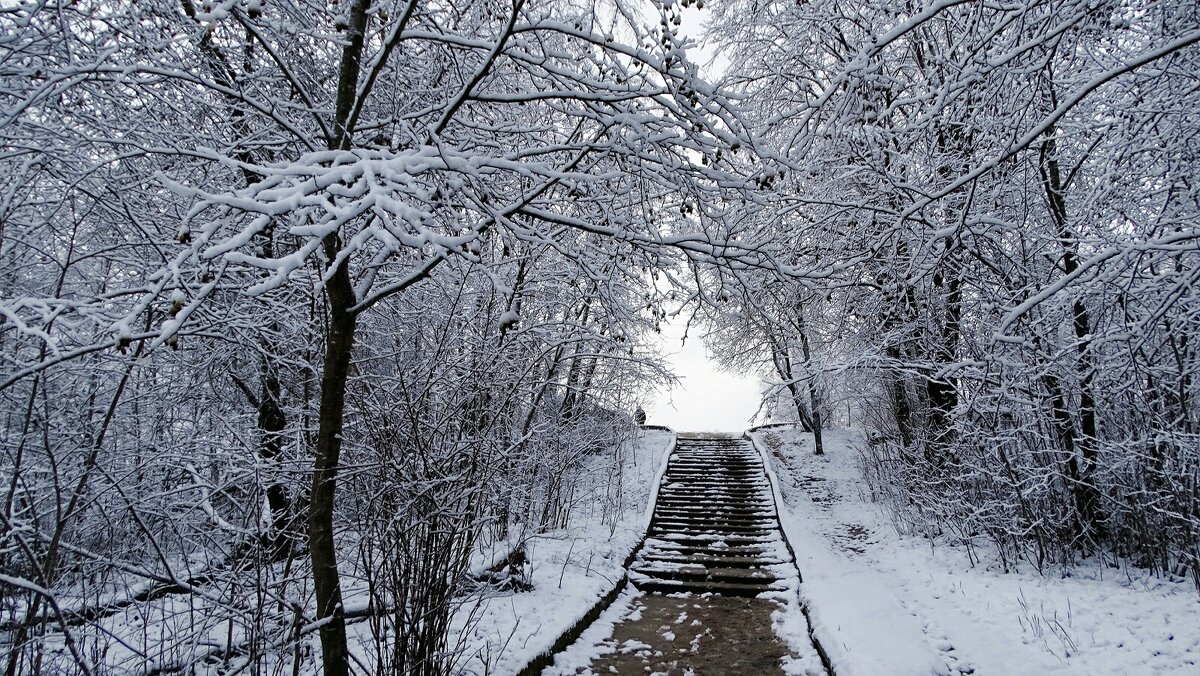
x,y
714,545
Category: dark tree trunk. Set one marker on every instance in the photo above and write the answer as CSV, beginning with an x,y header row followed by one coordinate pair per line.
x,y
271,423
1082,492
567,408
901,407
940,390
813,396
782,359
339,344
897,388
579,383
1091,511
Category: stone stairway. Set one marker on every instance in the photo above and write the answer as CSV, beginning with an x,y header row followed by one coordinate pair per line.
x,y
714,528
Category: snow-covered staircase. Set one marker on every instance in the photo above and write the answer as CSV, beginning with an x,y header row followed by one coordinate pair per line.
x,y
714,528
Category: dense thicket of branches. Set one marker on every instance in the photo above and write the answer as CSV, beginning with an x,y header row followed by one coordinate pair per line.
x,y
302,299
1004,198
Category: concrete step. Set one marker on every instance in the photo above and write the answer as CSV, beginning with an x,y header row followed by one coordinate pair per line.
x,y
721,454
713,507
685,530
695,536
717,461
748,458
727,525
715,496
704,574
727,540
709,493
716,477
689,488
712,561
705,502
715,512
725,513
719,553
695,486
715,472
653,585
678,482
680,525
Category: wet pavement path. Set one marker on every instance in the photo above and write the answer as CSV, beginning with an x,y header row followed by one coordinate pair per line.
x,y
713,547
681,635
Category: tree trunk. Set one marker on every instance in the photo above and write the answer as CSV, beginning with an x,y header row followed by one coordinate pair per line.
x,y
271,424
1089,503
1081,491
901,407
897,388
782,359
339,343
941,391
813,397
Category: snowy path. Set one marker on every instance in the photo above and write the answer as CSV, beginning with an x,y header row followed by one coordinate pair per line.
x,y
678,634
712,580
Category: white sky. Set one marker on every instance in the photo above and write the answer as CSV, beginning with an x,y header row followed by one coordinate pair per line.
x,y
702,54
706,399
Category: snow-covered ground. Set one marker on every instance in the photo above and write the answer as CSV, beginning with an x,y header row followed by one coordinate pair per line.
x,y
571,568
885,604
496,634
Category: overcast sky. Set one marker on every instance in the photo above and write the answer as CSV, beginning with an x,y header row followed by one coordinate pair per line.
x,y
706,399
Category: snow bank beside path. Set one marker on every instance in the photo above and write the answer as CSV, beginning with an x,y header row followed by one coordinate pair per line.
x,y
862,627
578,657
572,568
886,604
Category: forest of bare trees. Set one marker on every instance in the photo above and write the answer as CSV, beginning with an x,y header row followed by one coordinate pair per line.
x,y
304,299
1001,201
